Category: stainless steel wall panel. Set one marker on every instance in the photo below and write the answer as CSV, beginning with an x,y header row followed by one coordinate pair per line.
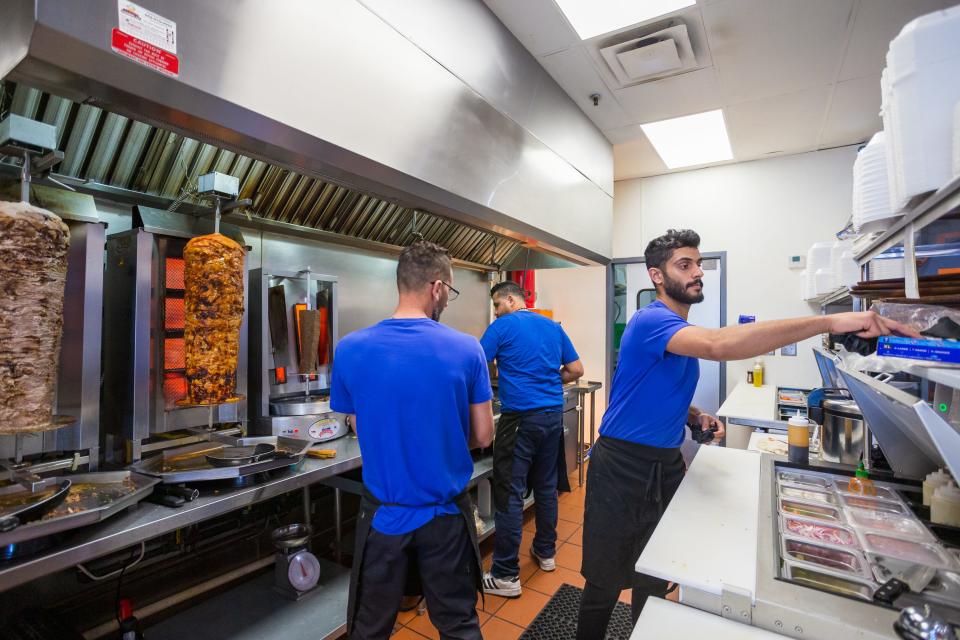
x,y
444,147
472,43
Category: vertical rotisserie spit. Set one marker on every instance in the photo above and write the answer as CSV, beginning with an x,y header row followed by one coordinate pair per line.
x,y
214,273
33,270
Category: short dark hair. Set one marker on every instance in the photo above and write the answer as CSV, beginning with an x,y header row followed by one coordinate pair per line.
x,y
421,263
507,288
660,249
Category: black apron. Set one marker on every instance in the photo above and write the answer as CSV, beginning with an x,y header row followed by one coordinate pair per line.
x,y
629,486
503,446
368,508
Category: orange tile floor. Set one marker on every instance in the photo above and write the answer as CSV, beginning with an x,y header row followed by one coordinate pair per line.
x,y
506,619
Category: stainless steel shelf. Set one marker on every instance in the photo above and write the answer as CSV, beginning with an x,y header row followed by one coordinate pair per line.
x,y
948,376
148,521
253,610
928,210
838,296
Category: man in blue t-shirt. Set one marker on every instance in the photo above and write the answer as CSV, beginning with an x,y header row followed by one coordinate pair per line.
x,y
534,359
636,466
418,395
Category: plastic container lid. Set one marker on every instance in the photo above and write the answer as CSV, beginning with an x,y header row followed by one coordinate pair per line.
x,y
888,523
806,479
853,501
926,553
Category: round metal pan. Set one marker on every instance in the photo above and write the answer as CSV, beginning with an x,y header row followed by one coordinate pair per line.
x,y
12,518
238,456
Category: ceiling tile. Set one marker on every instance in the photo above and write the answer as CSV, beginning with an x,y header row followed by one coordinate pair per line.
x,y
636,159
574,72
624,134
854,112
780,124
765,48
538,24
876,24
671,97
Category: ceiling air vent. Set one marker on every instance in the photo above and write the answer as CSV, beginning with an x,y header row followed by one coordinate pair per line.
x,y
655,55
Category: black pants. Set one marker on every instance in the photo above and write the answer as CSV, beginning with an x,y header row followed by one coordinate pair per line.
x,y
628,487
596,607
443,554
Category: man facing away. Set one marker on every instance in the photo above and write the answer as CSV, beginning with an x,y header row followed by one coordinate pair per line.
x,y
534,358
636,466
418,395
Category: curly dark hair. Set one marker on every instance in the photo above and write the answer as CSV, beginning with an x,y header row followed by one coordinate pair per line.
x,y
507,288
421,263
660,249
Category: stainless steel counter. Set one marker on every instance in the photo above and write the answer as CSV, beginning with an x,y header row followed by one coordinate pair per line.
x,y
147,521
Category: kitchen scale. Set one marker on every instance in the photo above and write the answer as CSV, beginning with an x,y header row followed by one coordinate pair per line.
x,y
306,417
296,570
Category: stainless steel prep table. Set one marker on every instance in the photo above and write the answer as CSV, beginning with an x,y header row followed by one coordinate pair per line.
x,y
148,520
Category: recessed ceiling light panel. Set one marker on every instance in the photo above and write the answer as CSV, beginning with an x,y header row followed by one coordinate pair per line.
x,y
690,140
591,18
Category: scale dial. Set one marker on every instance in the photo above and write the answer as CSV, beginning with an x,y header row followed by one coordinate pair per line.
x,y
303,571
324,428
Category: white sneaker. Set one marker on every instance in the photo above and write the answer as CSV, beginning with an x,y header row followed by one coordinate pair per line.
x,y
546,564
506,588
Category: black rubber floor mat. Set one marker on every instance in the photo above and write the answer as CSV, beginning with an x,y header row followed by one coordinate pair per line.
x,y
558,620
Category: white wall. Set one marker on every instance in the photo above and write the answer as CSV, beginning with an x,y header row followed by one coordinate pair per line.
x,y
578,299
759,213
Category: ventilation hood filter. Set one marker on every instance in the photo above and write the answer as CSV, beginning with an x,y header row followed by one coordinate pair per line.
x,y
655,55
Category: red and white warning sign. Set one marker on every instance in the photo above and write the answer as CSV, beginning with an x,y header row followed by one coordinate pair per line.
x,y
146,37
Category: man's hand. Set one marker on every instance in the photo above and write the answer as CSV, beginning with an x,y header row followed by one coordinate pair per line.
x,y
868,324
707,421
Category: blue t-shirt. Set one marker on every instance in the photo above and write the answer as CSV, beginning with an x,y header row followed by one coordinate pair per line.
x,y
410,383
529,349
652,388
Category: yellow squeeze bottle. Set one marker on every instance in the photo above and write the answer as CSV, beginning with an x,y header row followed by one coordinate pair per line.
x,y
757,374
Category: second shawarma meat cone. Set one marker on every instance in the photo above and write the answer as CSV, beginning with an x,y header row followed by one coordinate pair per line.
x,y
33,271
213,274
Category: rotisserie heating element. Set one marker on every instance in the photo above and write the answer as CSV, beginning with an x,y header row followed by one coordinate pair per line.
x,y
214,280
33,270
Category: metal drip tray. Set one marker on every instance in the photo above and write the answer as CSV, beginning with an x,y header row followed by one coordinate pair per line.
x,y
93,497
190,464
300,405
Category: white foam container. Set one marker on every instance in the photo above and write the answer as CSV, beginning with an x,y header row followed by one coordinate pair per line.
x,y
920,91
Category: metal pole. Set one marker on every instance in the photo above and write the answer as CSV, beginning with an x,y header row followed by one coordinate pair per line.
x,y
593,417
580,439
25,178
338,530
306,510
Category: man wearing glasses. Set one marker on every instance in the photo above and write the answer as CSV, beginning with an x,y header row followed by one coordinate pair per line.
x,y
418,395
534,359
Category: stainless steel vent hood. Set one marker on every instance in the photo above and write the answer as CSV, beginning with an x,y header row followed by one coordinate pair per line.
x,y
314,104
115,157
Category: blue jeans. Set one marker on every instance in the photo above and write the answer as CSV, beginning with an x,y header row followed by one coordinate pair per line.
x,y
539,438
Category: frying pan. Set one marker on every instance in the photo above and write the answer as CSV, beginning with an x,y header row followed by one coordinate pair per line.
x,y
238,456
12,518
